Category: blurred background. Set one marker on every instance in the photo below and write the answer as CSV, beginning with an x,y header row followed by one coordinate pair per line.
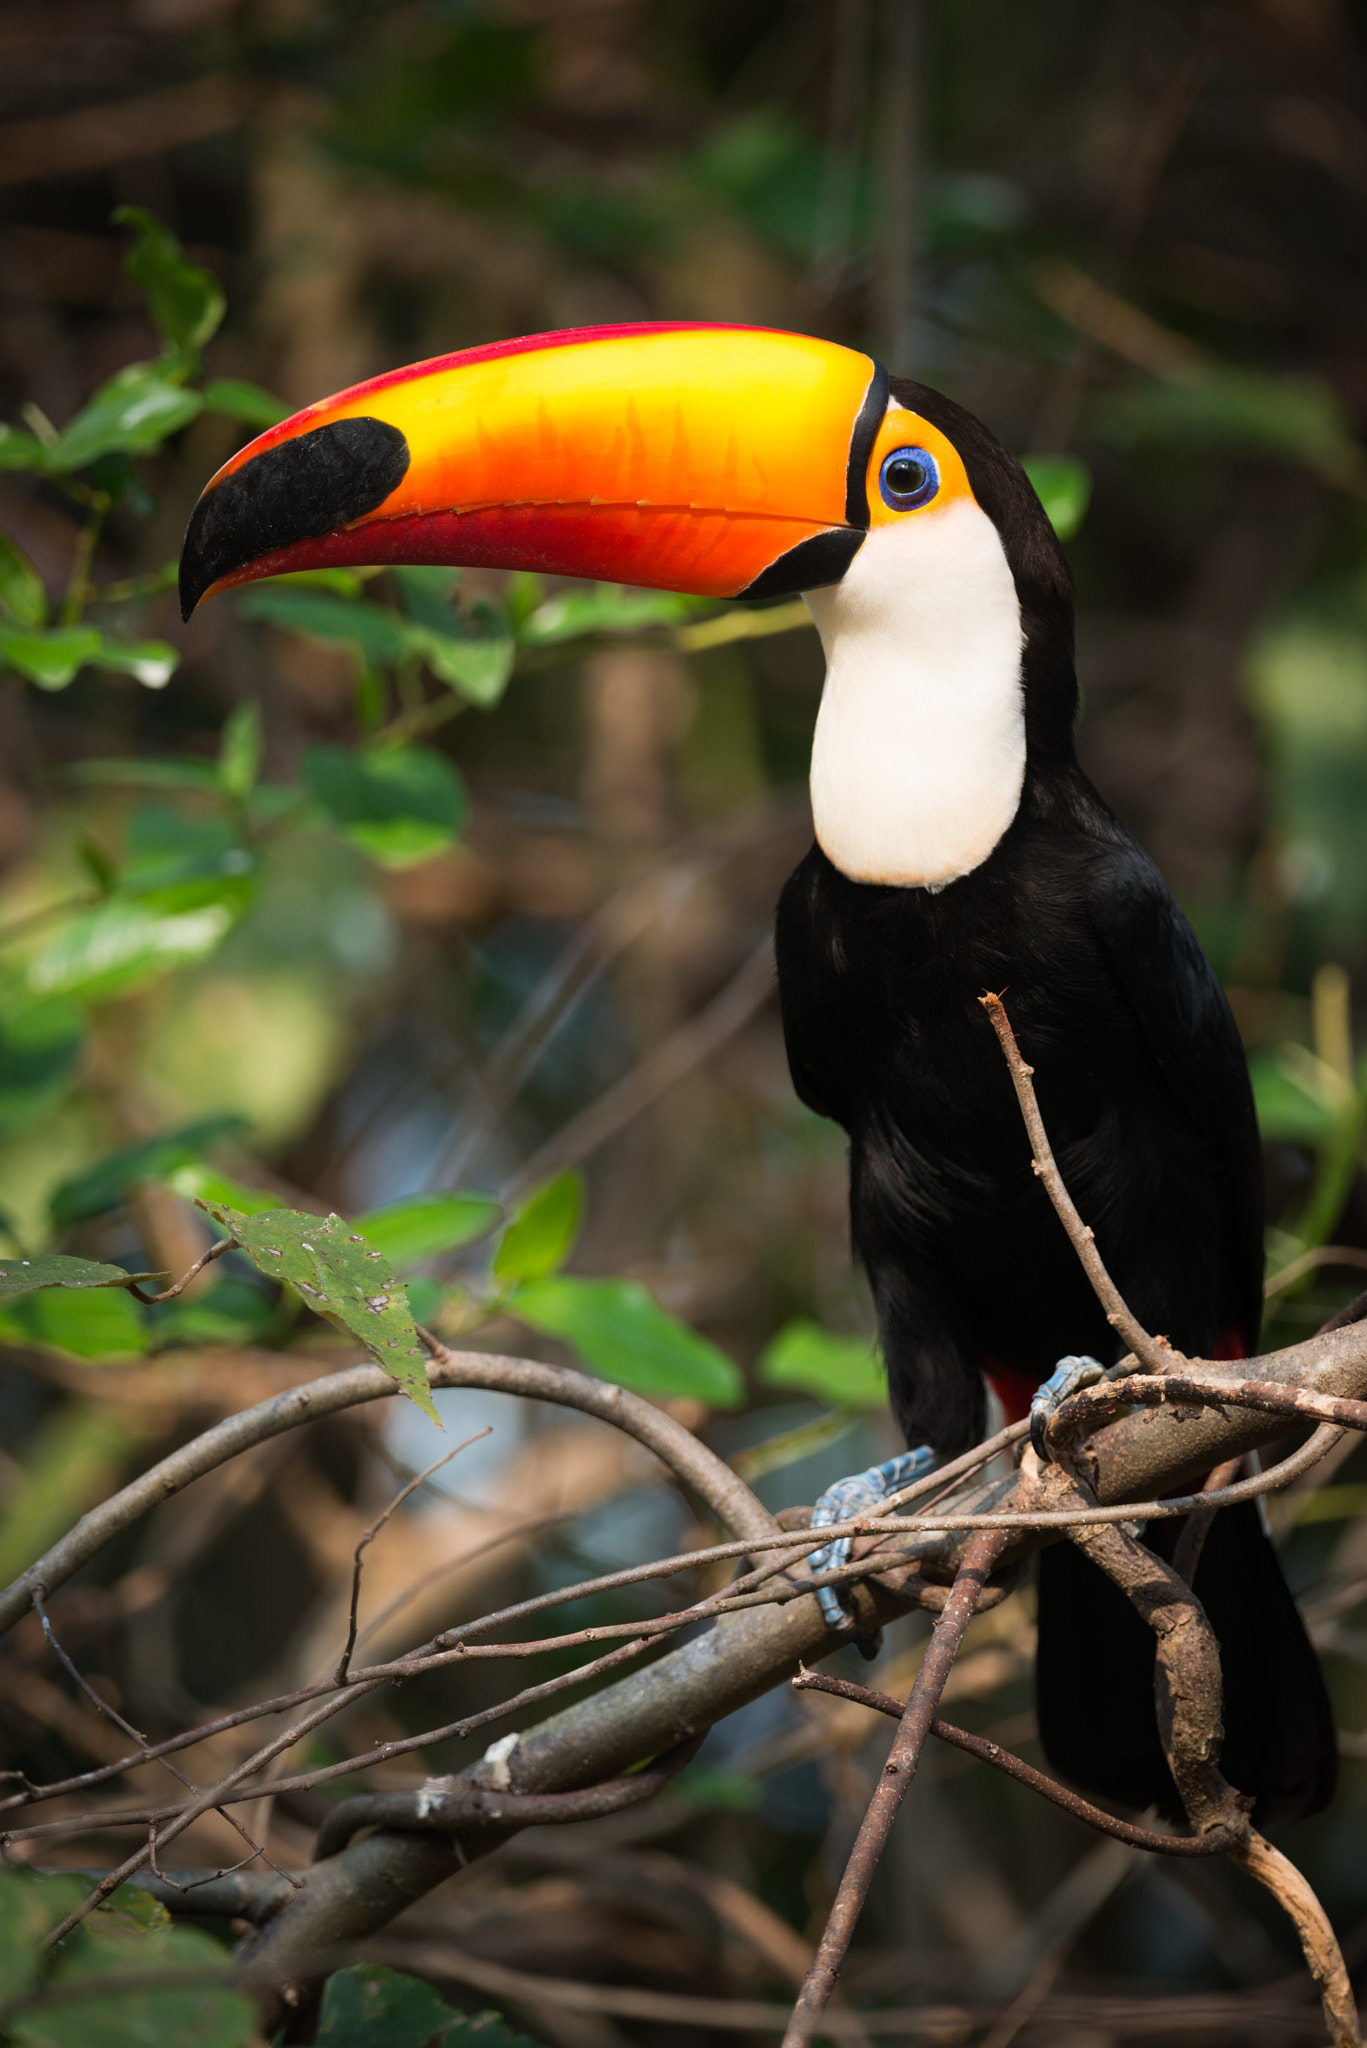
x,y
1132,236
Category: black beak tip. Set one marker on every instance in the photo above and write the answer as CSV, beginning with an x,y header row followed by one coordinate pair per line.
x,y
302,489
193,582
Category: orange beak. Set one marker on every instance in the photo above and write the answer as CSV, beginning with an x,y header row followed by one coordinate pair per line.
x,y
725,461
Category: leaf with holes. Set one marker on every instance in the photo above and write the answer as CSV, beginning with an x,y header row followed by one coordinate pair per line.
x,y
341,1278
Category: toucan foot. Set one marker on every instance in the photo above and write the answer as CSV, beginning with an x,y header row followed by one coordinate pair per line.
x,y
853,1496
1069,1376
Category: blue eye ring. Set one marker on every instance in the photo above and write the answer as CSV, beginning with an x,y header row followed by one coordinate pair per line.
x,y
909,477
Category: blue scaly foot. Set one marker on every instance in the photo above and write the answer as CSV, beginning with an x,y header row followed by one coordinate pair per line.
x,y
1069,1376
852,1496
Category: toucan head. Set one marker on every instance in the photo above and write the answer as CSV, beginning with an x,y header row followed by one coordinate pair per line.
x,y
731,462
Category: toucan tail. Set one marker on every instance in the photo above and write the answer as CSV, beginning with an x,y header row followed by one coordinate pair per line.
x,y
1094,1677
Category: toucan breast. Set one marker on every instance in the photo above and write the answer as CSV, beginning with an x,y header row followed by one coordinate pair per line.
x,y
919,754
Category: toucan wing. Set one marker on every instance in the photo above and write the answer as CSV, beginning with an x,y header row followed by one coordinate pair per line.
x,y
1172,991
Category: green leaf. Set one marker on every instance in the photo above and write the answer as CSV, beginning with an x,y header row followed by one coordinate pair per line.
x,y
321,614
150,662
842,1370
341,582
102,1187
104,1324
621,1332
52,658
49,659
239,400
19,450
183,862
112,1944
1287,1107
193,775
239,753
1063,484
477,666
21,587
369,2005
135,411
399,805
607,608
196,1179
40,1045
341,1278
472,652
1236,411
69,1463
541,1236
55,1269
123,945
185,302
232,1312
29,1906
423,1226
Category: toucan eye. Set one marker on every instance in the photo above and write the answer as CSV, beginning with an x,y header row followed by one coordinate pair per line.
x,y
909,477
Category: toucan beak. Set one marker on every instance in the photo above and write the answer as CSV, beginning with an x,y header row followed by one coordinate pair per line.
x,y
726,461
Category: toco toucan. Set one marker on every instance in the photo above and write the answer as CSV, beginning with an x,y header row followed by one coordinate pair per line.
x,y
958,848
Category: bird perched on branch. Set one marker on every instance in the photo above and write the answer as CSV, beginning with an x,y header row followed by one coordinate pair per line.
x,y
958,848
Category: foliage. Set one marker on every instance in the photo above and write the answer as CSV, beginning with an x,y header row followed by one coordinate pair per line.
x,y
376,2007
130,1938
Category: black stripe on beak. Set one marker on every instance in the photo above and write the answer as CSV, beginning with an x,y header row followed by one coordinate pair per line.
x,y
301,489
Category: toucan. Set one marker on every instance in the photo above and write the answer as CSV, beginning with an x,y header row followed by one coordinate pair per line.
x,y
958,848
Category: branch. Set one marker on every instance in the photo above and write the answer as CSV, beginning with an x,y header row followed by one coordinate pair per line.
x,y
448,1806
1212,1843
344,1662
1188,1690
893,1784
728,1496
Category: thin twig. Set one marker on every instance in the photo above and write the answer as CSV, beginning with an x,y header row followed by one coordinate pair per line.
x,y
344,1663
1244,2016
693,1043
215,1251
1155,1352
531,1526
103,1706
896,1776
1320,1255
984,1751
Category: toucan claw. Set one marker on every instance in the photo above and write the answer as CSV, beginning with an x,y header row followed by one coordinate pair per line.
x,y
1069,1376
854,1496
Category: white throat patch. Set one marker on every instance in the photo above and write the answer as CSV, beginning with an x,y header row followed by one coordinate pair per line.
x,y
919,753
